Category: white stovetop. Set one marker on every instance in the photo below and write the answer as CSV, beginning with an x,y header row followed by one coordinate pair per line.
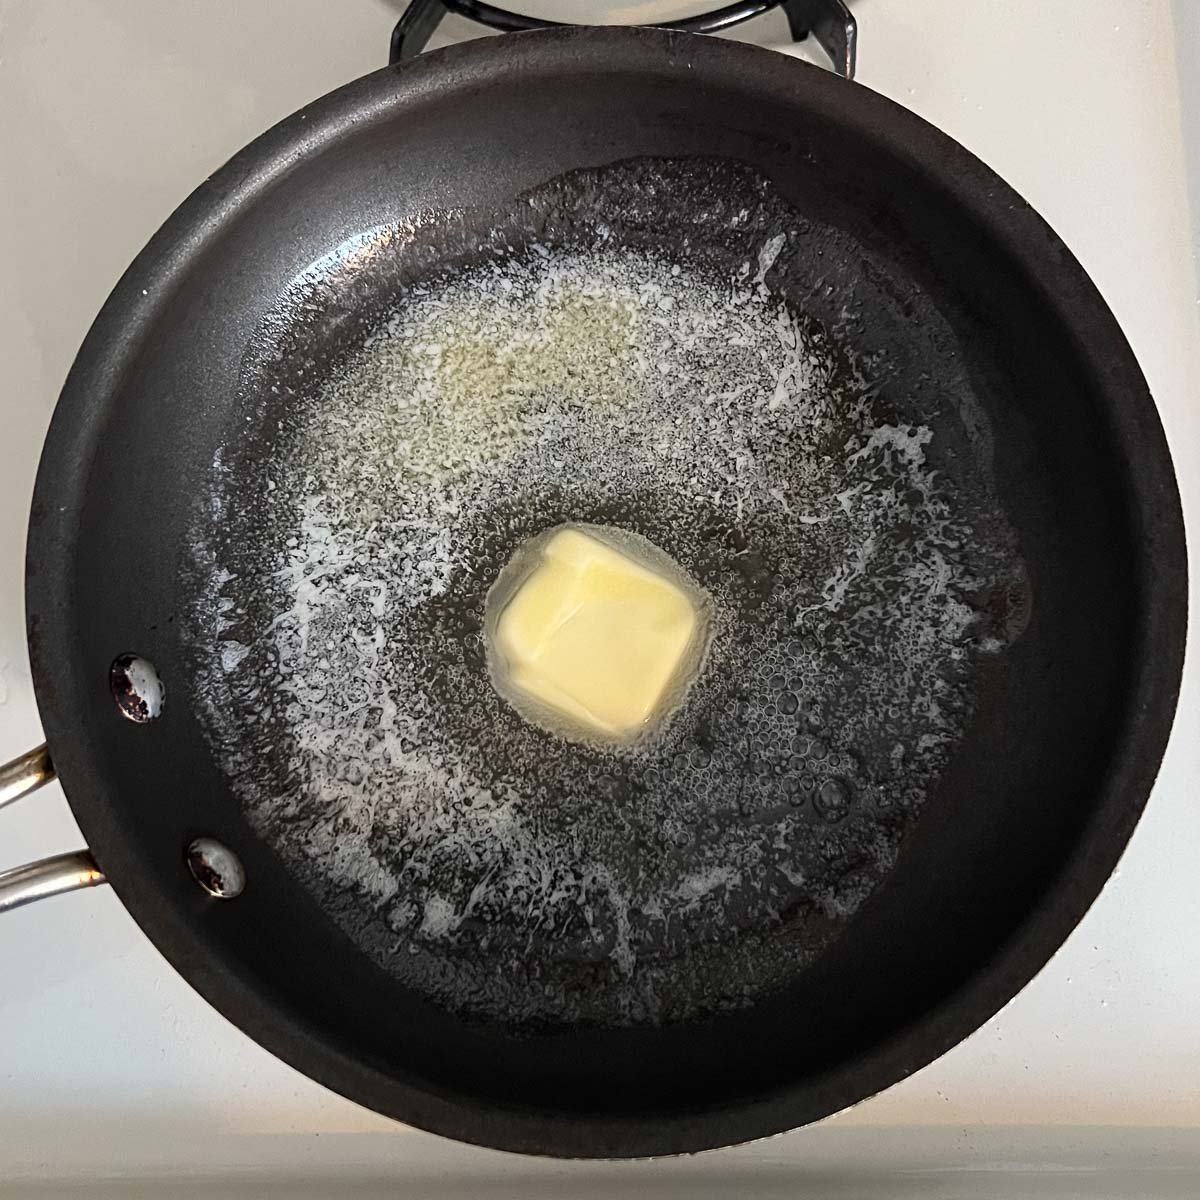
x,y
109,1064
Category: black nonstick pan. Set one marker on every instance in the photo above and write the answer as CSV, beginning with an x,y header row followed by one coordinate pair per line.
x,y
767,321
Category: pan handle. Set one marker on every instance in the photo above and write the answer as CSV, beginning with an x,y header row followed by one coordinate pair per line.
x,y
25,774
49,876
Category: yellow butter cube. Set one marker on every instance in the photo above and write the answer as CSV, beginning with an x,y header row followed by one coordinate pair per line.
x,y
595,635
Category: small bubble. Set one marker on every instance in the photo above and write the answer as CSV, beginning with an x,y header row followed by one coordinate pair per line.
x,y
802,744
833,800
817,748
788,703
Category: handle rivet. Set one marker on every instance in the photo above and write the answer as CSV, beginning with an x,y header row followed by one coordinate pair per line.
x,y
216,868
136,687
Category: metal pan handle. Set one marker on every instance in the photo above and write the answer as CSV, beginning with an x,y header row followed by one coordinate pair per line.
x,y
49,876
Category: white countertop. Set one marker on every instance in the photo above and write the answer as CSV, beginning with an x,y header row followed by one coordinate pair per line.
x,y
112,112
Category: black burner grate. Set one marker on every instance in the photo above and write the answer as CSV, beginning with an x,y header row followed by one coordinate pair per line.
x,y
829,21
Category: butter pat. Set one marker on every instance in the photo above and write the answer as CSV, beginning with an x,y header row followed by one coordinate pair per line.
x,y
594,632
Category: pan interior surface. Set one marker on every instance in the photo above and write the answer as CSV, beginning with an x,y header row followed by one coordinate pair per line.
x,y
663,347
773,940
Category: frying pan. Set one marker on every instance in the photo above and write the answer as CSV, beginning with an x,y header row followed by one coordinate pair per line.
x,y
1033,803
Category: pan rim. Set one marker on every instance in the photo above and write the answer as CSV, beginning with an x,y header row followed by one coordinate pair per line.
x,y
1154,504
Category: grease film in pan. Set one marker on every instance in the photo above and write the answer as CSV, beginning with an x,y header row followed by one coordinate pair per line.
x,y
664,348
